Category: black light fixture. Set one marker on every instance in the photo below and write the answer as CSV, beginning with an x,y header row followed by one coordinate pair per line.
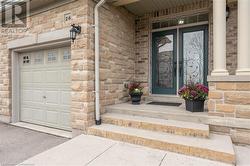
x,y
75,30
227,12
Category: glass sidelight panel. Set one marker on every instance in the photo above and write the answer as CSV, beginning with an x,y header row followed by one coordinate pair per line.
x,y
165,61
193,57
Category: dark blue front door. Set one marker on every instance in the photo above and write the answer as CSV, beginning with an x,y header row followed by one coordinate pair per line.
x,y
164,62
192,63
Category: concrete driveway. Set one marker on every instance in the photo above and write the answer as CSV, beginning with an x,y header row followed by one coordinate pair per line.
x,y
18,144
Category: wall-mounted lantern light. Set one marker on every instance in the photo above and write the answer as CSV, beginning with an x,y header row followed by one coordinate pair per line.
x,y
181,21
227,12
74,31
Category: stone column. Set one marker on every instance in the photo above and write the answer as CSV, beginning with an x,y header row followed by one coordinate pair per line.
x,y
219,38
243,37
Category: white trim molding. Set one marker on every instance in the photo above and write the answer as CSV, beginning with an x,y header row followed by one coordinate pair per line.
x,y
57,35
230,78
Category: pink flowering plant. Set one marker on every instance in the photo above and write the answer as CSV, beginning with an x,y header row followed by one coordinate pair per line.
x,y
194,92
135,88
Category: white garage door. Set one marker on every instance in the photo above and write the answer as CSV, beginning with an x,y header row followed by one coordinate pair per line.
x,y
45,87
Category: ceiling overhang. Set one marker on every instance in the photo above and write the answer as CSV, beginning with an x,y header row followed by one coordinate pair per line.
x,y
140,7
124,2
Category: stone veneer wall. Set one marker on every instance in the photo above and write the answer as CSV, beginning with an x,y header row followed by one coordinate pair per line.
x,y
231,99
117,57
117,65
46,22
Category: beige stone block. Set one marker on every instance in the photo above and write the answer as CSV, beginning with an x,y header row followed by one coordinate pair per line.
x,y
243,86
227,108
243,111
241,136
215,95
76,86
216,114
237,98
211,105
225,86
219,129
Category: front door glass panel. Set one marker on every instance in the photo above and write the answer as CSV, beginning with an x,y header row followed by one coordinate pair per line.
x,y
165,58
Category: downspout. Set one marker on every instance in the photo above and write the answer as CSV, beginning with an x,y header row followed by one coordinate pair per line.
x,y
97,72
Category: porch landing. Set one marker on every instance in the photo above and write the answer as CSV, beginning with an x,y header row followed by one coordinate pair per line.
x,y
158,111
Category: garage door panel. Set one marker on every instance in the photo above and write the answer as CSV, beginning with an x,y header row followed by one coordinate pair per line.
x,y
27,95
26,77
32,96
65,98
38,115
52,97
52,76
52,117
45,89
38,96
65,119
26,114
37,76
66,76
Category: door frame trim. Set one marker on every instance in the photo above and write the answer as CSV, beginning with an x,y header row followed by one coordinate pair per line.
x,y
15,73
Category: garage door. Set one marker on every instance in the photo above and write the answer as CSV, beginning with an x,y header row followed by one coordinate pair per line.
x,y
45,78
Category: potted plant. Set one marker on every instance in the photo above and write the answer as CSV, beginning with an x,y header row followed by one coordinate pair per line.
x,y
135,92
194,96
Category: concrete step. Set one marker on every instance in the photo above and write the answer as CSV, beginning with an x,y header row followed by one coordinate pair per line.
x,y
154,124
159,112
164,98
217,147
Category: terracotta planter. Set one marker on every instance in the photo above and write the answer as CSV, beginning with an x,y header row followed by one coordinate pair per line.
x,y
195,106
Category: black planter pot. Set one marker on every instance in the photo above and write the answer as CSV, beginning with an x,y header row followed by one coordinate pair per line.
x,y
136,99
195,106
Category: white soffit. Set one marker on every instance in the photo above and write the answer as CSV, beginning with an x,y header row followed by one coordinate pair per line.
x,y
144,6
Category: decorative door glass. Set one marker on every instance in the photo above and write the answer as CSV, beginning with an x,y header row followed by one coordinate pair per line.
x,y
193,57
165,58
164,62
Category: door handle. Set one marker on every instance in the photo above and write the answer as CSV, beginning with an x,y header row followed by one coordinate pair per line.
x,y
175,68
181,69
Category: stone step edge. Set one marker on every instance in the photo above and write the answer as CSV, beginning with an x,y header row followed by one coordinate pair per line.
x,y
163,145
144,123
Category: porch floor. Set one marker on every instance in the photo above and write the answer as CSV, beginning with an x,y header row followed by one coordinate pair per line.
x,y
176,113
159,111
